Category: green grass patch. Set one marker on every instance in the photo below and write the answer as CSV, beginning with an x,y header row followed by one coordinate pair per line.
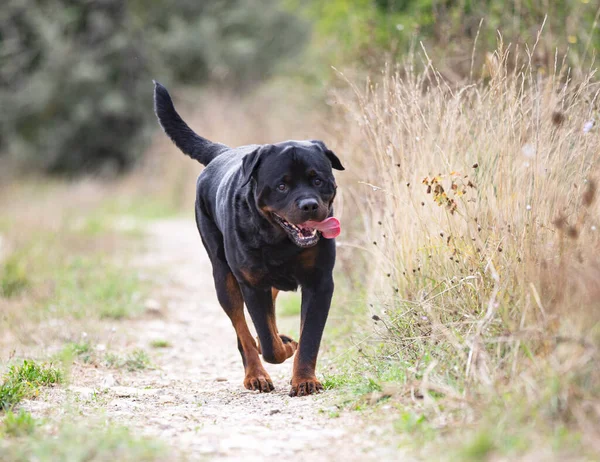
x,y
82,350
23,381
93,287
11,393
412,423
74,443
289,304
13,276
478,448
352,389
142,208
160,344
34,374
16,425
137,360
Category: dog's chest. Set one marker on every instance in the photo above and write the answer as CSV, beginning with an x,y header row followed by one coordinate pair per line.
x,y
274,268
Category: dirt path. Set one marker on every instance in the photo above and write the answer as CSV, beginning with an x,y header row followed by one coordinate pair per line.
x,y
193,399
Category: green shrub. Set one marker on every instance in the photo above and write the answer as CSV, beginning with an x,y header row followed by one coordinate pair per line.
x,y
370,32
77,75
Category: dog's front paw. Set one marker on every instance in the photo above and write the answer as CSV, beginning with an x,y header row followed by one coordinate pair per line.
x,y
305,386
260,381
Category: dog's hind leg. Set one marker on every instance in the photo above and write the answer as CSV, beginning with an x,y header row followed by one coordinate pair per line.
x,y
275,348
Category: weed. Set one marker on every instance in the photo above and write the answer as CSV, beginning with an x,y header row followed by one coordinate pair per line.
x,y
112,360
34,374
137,360
160,344
23,381
83,350
11,393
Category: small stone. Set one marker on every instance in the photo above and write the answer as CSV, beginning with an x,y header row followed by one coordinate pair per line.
x,y
221,379
152,305
125,392
109,381
166,399
274,411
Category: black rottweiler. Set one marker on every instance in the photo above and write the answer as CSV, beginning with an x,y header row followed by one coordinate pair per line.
x,y
265,216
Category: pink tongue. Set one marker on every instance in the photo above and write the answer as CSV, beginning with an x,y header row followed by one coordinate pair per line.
x,y
329,228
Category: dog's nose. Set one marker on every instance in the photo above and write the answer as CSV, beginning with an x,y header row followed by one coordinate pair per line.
x,y
308,205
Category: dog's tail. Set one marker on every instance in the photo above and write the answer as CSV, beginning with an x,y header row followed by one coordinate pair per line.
x,y
191,144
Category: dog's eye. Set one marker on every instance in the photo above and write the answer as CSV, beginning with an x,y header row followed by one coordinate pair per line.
x,y
318,182
282,187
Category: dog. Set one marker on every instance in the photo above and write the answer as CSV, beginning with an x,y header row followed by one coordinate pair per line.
x,y
265,216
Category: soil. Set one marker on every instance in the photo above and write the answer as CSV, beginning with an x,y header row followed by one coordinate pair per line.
x,y
193,398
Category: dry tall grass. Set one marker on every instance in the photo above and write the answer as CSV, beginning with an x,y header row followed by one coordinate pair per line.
x,y
481,221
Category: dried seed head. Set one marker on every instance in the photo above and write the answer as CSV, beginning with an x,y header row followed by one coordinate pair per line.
x,y
560,222
573,232
590,193
558,118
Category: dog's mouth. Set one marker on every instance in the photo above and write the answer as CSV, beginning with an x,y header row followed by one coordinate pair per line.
x,y
301,235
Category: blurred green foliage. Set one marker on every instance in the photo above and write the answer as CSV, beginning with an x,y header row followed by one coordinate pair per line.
x,y
371,31
75,76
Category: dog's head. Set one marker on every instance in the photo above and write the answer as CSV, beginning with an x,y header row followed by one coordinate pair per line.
x,y
293,186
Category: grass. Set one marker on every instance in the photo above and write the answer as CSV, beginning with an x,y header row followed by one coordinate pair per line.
x,y
95,287
72,442
288,304
480,222
65,257
160,343
137,360
13,277
16,425
60,283
24,380
11,394
83,350
34,374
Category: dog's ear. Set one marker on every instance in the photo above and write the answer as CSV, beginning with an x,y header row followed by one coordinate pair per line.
x,y
251,161
335,162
